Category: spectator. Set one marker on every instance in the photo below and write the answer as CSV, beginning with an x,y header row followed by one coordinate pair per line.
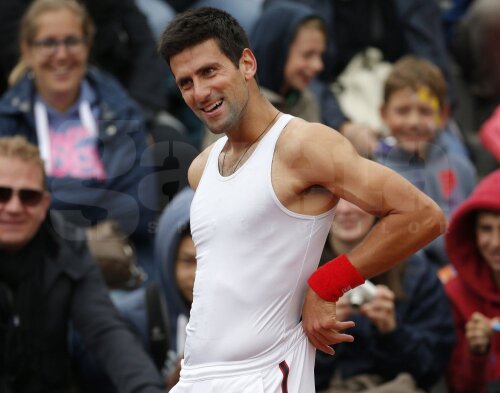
x,y
404,328
414,112
473,245
176,260
475,51
123,46
452,12
289,41
489,136
47,279
10,13
91,135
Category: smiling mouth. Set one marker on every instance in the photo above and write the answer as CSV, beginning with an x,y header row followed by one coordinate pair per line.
x,y
213,107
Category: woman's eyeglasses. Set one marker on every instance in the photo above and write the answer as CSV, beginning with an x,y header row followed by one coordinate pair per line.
x,y
49,46
27,196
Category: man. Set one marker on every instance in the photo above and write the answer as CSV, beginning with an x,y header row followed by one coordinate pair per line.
x,y
46,281
264,202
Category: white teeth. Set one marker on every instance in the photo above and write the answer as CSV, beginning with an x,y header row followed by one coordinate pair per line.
x,y
213,107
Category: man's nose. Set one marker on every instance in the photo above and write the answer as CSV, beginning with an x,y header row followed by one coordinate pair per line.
x,y
201,91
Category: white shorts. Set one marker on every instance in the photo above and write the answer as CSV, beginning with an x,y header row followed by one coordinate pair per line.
x,y
293,374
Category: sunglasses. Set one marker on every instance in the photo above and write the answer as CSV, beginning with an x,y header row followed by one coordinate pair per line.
x,y
27,196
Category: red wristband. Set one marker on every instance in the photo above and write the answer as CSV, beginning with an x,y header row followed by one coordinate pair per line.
x,y
335,278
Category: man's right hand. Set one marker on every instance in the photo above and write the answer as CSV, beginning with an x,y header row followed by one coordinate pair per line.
x,y
321,325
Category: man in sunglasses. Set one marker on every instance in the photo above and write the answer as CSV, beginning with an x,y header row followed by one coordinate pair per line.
x,y
48,278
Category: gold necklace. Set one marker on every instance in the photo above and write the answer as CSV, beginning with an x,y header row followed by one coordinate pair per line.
x,y
235,167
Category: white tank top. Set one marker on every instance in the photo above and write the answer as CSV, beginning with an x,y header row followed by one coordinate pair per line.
x,y
254,257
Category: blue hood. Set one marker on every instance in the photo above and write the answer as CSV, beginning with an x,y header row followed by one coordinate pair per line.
x,y
172,221
271,38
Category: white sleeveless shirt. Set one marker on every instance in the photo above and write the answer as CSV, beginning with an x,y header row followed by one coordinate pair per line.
x,y
254,257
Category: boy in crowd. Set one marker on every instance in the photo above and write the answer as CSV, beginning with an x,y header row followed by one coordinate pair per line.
x,y
414,110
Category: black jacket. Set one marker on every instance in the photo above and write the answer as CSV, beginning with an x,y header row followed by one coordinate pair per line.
x,y
75,291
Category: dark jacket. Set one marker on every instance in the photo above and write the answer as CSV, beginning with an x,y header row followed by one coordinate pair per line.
x,y
128,194
125,47
10,15
472,289
420,345
76,292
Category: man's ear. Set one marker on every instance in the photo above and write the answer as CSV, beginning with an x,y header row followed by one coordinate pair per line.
x,y
248,64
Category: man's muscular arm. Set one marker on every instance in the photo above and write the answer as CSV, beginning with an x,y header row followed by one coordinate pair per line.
x,y
408,218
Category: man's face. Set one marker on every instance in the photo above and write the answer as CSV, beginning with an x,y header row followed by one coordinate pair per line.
x,y
413,118
20,221
185,268
488,239
214,89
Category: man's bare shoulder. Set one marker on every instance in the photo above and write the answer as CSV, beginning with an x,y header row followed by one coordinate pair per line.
x,y
301,138
197,167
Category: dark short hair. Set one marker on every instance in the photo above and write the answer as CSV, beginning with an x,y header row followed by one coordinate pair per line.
x,y
197,25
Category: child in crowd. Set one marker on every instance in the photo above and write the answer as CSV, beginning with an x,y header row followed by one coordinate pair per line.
x,y
414,111
473,245
404,329
289,41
